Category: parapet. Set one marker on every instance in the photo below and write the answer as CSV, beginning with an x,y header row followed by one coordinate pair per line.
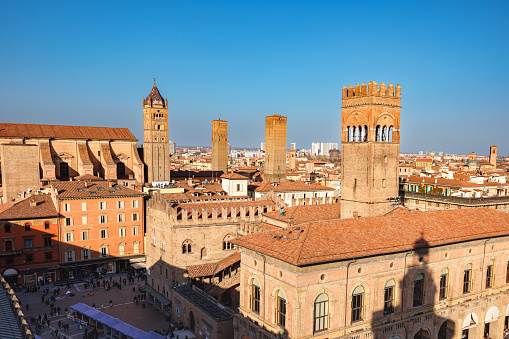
x,y
371,89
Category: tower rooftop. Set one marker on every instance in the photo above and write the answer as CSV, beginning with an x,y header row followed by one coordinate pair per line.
x,y
157,98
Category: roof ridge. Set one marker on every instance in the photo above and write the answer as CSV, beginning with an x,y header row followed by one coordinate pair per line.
x,y
303,242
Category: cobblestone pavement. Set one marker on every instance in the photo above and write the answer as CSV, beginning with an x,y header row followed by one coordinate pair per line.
x,y
124,308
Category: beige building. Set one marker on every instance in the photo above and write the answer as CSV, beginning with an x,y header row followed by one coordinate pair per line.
x,y
370,120
493,155
156,136
220,145
275,149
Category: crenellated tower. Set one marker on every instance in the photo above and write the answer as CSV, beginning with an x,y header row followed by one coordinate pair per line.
x,y
220,145
370,122
156,136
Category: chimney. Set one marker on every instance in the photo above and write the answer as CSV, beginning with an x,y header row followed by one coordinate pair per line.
x,y
110,184
86,184
33,203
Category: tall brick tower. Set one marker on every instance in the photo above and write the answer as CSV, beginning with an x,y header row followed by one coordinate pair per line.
x,y
493,155
220,145
275,149
370,120
156,137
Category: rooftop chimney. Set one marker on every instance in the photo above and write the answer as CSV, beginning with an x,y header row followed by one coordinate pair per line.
x,y
33,203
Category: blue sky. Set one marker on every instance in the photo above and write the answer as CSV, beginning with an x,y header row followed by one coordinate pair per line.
x,y
92,62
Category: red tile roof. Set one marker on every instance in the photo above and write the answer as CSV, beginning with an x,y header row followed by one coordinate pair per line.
x,y
333,240
94,189
9,130
22,210
306,213
291,186
211,269
234,176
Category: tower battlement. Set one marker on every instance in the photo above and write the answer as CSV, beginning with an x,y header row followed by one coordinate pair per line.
x,y
371,89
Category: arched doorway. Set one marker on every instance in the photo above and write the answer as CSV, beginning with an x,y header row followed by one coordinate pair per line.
x,y
446,330
191,321
11,276
422,334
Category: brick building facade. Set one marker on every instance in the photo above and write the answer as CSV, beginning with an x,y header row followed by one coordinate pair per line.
x,y
275,149
220,145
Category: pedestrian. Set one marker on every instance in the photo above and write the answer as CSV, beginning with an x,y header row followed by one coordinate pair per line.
x,y
47,322
58,310
111,303
27,306
56,332
60,324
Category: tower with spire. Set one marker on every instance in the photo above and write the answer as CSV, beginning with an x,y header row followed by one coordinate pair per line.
x,y
156,136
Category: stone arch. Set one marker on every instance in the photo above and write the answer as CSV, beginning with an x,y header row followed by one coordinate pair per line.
x,y
422,333
356,118
446,330
386,119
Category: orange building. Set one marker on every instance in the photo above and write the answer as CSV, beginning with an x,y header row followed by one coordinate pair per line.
x,y
29,233
101,227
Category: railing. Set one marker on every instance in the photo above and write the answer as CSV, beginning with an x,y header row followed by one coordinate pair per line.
x,y
457,200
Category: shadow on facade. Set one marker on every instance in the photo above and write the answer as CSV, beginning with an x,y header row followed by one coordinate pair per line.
x,y
412,316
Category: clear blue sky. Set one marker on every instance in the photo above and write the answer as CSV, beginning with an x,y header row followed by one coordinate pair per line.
x,y
92,62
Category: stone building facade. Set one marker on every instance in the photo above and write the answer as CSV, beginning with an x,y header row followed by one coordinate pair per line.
x,y
442,274
493,155
156,136
370,122
275,149
20,170
220,145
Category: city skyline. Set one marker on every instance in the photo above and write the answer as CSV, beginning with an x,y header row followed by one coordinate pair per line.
x,y
244,62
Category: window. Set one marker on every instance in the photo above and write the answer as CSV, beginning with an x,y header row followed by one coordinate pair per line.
x,y
467,279
489,274
506,273
103,219
102,205
84,219
186,246
68,221
47,241
163,245
444,284
64,169
120,170
121,232
135,217
135,230
321,313
83,206
7,229
69,236
48,255
136,247
29,258
120,204
104,251
86,254
104,233
389,297
255,296
121,249
67,207
136,204
226,244
46,225
28,243
419,290
238,187
84,235
121,217
27,226
281,309
358,304
69,255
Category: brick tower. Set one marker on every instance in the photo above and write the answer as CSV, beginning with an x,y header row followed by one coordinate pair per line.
x,y
220,145
275,149
156,137
370,120
493,155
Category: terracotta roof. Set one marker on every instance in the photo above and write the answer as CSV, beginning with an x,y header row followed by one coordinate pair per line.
x,y
95,189
22,210
211,269
8,130
333,240
233,176
289,186
305,213
157,98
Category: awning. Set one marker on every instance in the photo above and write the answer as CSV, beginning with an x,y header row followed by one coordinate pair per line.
x,y
139,265
135,260
491,315
157,295
471,320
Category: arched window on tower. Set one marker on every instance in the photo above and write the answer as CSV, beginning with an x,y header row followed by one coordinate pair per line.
x,y
385,132
186,247
391,130
365,133
378,133
359,128
349,132
355,132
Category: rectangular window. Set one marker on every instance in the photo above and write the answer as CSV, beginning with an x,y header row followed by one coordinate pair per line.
x,y
281,311
104,234
86,254
103,219
67,207
255,298
104,251
69,255
357,307
135,230
68,221
467,281
27,227
489,276
136,204
443,286
83,206
28,243
46,225
120,204
121,232
389,300
84,219
418,292
48,255
163,245
121,249
84,235
135,217
121,217
136,248
47,241
102,205
7,229
69,236
238,187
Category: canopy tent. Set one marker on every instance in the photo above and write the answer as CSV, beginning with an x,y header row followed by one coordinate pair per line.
x,y
150,290
139,265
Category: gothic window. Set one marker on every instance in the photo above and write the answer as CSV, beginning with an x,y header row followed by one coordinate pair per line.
x,y
389,297
227,245
358,304
321,313
385,132
349,132
391,129
186,247
419,290
378,133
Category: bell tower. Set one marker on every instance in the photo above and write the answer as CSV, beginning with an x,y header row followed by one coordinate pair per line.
x,y
156,147
370,121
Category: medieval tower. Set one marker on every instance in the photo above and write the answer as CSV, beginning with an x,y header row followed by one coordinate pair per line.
x,y
156,137
275,149
493,155
220,145
370,120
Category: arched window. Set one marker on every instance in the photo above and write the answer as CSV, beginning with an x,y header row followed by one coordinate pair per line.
x,y
422,334
365,133
349,131
391,129
378,133
321,313
120,170
227,245
358,304
467,279
490,277
281,308
419,290
186,247
64,170
385,133
389,296
255,296
203,253
355,133
444,284
359,133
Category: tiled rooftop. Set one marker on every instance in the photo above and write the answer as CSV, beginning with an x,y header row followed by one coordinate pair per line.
x,y
291,186
305,213
95,189
22,210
